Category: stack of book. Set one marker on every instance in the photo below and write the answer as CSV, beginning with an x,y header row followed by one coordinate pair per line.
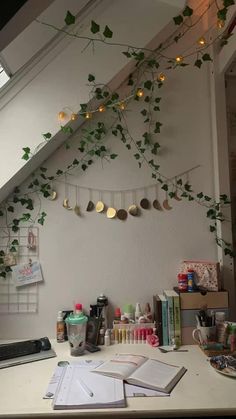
x,y
166,307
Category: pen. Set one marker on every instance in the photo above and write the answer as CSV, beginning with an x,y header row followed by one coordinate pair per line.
x,y
85,387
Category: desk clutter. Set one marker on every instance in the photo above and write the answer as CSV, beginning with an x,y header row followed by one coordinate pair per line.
x,y
98,384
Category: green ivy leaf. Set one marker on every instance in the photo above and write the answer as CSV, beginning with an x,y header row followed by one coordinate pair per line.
x,y
178,19
188,11
94,27
148,84
107,32
113,156
228,3
128,146
200,195
84,167
207,198
144,112
222,13
67,130
206,57
127,54
3,274
198,63
10,208
91,77
69,19
75,162
137,156
59,172
157,127
47,136
15,242
171,194
165,187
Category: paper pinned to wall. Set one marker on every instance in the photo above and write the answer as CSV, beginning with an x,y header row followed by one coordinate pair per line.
x,y
27,273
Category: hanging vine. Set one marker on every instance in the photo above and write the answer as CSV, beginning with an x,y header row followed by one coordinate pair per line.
x,y
144,84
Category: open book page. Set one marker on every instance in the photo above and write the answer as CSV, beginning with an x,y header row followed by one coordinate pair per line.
x,y
79,388
121,366
156,375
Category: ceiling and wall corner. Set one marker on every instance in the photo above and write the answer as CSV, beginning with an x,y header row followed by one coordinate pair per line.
x,y
25,95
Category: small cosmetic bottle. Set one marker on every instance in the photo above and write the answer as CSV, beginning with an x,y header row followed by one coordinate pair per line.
x,y
60,327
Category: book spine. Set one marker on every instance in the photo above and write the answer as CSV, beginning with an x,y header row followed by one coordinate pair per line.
x,y
158,317
165,323
170,305
177,320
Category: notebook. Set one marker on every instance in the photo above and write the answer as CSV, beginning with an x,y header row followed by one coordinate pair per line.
x,y
79,388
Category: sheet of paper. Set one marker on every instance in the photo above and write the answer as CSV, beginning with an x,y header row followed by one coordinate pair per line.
x,y
53,384
136,391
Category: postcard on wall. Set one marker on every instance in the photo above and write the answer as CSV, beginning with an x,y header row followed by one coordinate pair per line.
x,y
27,273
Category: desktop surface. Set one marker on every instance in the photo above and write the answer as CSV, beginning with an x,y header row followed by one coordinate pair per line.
x,y
201,392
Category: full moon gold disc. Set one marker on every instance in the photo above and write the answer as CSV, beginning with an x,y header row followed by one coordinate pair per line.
x,y
100,206
111,212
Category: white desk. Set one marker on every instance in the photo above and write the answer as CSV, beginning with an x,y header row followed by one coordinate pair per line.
x,y
200,392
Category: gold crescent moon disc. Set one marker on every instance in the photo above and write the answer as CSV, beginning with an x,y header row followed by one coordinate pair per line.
x,y
77,210
166,204
53,196
90,206
100,206
133,210
156,204
111,212
66,204
177,197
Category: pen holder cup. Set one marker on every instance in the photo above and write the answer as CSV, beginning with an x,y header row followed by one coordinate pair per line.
x,y
203,335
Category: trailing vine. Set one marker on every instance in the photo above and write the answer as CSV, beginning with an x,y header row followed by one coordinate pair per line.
x,y
144,85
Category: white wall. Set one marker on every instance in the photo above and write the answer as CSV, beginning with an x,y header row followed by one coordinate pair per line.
x,y
128,261
59,79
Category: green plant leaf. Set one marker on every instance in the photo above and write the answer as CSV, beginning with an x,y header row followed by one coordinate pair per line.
x,y
157,127
206,57
165,187
69,19
222,13
228,3
91,77
1,213
200,195
94,27
178,19
137,156
10,208
188,11
127,54
198,63
113,156
47,136
148,84
107,32
3,274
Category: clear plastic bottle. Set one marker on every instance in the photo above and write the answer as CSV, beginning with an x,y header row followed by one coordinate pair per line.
x,y
60,327
138,312
220,326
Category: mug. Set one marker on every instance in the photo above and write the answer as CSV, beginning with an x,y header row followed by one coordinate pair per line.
x,y
203,335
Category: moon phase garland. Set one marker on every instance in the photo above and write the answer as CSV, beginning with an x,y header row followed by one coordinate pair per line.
x,y
112,211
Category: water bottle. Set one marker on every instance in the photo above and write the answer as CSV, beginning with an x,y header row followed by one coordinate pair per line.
x,y
76,329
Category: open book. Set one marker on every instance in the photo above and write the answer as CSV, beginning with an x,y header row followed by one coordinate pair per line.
x,y
142,371
78,388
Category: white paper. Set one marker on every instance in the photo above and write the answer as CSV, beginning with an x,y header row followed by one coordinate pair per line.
x,y
27,273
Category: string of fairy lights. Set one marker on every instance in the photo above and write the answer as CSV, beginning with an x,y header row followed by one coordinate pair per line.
x,y
122,104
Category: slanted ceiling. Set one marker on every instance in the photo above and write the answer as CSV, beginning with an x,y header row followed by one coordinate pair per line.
x,y
35,40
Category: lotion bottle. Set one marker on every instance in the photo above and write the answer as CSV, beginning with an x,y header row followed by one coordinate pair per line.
x,y
60,327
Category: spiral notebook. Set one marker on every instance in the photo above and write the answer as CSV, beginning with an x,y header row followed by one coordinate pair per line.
x,y
79,388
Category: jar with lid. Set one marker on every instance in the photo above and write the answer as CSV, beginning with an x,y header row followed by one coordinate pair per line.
x,y
220,326
182,282
190,276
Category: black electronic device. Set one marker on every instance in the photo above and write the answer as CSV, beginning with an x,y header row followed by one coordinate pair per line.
x,y
22,348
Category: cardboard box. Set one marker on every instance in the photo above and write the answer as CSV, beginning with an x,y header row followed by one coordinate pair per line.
x,y
211,299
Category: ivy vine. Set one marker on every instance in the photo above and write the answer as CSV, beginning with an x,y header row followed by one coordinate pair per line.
x,y
145,85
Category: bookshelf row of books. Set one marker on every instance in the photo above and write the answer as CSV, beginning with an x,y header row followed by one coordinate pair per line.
x,y
166,307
